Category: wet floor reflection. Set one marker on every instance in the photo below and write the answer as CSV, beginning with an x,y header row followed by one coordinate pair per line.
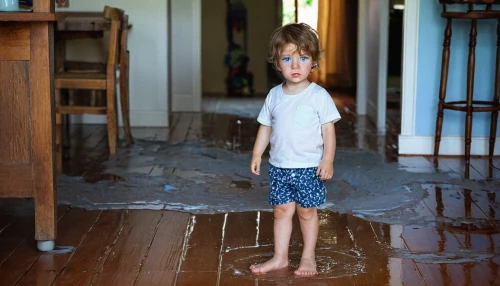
x,y
96,177
351,249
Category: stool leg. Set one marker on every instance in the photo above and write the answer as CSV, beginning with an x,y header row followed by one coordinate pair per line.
x,y
470,94
59,127
496,98
445,61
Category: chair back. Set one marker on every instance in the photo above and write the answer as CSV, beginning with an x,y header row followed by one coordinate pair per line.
x,y
115,15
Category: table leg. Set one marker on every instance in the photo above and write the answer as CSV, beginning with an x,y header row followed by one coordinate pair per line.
x,y
60,55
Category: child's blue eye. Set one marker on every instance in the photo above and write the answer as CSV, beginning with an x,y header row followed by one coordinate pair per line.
x,y
303,59
286,59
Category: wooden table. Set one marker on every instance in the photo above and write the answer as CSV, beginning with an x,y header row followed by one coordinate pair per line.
x,y
27,116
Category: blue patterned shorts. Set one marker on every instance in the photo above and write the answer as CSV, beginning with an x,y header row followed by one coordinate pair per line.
x,y
300,185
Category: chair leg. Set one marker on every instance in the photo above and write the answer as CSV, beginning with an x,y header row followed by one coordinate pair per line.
x,y
111,118
124,96
445,61
496,97
470,94
59,135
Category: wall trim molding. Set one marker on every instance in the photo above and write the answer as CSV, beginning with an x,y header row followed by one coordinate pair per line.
x,y
383,57
450,145
361,96
410,66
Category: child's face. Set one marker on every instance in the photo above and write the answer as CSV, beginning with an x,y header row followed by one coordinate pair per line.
x,y
294,66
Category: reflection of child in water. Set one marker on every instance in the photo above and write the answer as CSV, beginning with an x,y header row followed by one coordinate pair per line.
x,y
298,120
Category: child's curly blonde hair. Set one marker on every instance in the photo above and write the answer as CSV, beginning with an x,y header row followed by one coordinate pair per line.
x,y
301,35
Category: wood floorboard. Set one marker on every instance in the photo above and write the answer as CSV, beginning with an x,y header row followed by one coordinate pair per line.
x,y
488,203
445,201
18,230
410,274
89,257
429,239
194,133
266,222
180,130
201,261
495,164
123,265
240,242
457,165
5,219
203,248
437,274
196,278
165,252
69,238
365,241
24,255
483,167
416,164
450,166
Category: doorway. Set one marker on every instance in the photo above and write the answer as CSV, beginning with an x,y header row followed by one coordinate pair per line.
x,y
212,72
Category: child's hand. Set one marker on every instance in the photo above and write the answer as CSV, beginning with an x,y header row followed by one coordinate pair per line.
x,y
255,165
325,171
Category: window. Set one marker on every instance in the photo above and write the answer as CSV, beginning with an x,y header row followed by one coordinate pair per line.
x,y
306,12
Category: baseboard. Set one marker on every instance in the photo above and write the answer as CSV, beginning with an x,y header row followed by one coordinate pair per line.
x,y
453,145
138,118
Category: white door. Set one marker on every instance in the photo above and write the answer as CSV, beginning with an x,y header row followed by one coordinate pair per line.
x,y
185,55
373,32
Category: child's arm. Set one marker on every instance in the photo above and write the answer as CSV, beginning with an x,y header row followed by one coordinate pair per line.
x,y
263,136
329,141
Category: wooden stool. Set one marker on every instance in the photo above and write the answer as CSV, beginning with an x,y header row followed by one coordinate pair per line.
x,y
469,105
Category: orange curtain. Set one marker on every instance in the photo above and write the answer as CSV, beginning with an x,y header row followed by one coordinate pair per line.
x,y
337,33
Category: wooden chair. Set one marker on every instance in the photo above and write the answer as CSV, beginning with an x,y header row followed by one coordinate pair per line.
x,y
123,67
101,79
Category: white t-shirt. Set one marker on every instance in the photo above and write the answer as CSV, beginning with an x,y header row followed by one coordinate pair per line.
x,y
296,139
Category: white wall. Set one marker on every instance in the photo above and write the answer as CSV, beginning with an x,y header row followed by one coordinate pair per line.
x,y
185,62
148,58
424,33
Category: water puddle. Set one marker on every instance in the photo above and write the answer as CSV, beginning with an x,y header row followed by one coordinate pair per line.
x,y
243,185
94,178
351,247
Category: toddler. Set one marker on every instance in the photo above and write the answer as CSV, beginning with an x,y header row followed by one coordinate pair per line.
x,y
298,119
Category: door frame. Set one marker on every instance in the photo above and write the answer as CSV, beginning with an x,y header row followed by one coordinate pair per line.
x,y
410,66
362,81
187,96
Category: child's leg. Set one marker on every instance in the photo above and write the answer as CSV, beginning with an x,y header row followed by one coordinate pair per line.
x,y
283,215
310,226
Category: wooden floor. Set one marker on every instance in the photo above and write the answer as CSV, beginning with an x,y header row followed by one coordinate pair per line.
x,y
159,247
151,247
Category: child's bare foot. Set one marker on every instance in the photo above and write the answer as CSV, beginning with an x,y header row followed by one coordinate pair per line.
x,y
307,267
274,263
